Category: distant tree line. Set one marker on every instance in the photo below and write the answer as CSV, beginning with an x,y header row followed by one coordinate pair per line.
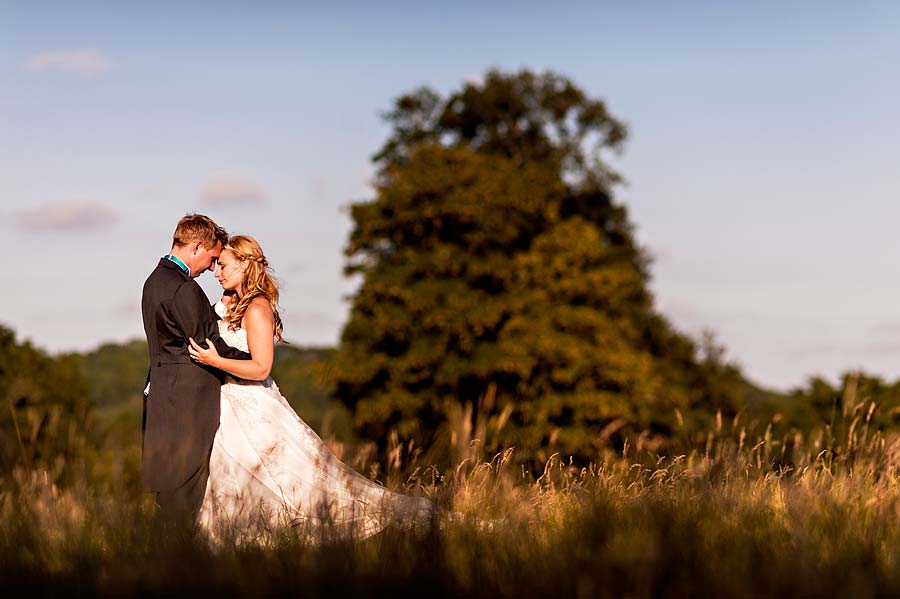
x,y
43,419
79,413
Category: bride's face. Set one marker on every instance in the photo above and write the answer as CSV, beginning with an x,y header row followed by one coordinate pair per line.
x,y
230,271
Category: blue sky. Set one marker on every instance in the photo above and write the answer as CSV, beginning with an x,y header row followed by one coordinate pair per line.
x,y
760,165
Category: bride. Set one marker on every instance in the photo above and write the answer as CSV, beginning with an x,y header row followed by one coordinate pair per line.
x,y
267,467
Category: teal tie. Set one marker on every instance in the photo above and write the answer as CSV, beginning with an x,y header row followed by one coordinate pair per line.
x,y
180,264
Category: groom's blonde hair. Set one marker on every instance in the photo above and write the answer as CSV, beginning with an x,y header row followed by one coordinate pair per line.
x,y
198,227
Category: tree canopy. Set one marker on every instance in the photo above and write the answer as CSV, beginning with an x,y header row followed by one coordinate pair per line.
x,y
503,294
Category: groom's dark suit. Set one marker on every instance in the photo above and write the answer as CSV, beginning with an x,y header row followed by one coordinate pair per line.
x,y
181,413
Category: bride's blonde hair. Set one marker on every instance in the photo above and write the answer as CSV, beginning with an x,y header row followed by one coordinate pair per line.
x,y
257,281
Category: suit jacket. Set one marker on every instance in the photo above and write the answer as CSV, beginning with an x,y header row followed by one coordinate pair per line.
x,y
181,412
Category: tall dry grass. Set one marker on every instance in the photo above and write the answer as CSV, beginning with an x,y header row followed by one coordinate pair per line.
x,y
742,514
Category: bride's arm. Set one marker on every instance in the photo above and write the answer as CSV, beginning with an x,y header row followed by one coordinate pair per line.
x,y
259,322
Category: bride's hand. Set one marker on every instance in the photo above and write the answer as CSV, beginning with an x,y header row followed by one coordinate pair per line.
x,y
203,355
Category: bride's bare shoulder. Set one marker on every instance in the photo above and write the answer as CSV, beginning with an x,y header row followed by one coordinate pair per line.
x,y
259,318
260,302
259,308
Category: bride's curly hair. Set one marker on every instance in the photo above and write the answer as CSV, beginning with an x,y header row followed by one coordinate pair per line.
x,y
258,281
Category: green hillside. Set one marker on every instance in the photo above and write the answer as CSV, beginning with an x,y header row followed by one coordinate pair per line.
x,y
116,372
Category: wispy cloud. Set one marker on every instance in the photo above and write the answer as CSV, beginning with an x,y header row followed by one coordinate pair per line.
x,y
83,62
884,329
226,191
813,351
879,348
476,79
66,216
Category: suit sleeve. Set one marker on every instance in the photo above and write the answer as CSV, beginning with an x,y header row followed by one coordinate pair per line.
x,y
191,311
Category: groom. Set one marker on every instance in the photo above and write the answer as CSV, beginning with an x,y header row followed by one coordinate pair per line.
x,y
181,411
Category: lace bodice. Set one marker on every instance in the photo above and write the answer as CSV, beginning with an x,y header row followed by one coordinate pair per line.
x,y
236,338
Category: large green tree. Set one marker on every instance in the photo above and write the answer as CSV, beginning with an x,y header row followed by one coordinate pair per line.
x,y
503,295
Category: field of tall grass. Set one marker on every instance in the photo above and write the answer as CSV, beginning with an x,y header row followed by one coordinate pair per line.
x,y
740,514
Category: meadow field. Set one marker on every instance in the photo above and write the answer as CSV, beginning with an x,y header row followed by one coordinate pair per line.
x,y
742,514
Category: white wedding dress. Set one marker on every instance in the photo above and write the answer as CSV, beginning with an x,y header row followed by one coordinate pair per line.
x,y
268,469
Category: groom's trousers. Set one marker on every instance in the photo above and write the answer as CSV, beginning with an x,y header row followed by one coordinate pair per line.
x,y
180,506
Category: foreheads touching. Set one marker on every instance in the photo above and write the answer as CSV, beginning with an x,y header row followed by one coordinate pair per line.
x,y
198,241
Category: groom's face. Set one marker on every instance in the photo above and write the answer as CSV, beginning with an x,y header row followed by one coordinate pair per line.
x,y
205,258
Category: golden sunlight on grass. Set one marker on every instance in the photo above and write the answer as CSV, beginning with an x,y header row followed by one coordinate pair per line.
x,y
737,517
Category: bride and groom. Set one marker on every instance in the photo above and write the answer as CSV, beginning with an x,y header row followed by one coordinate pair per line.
x,y
222,448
